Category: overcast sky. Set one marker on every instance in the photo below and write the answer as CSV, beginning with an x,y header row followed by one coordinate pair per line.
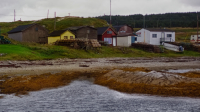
x,y
37,9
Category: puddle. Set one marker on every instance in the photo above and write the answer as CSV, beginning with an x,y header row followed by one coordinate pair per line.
x,y
181,70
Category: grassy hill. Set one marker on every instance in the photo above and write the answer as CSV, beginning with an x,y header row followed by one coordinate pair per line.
x,y
61,23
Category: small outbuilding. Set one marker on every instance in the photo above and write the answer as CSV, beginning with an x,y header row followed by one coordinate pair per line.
x,y
59,35
83,32
194,38
126,40
107,34
29,33
155,36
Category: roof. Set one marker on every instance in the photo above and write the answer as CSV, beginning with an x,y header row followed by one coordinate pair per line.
x,y
117,28
125,35
57,33
101,30
20,28
159,30
78,27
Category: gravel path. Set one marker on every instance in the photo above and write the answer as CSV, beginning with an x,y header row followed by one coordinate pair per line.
x,y
54,66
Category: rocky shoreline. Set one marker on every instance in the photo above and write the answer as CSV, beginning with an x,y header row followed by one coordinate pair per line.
x,y
131,75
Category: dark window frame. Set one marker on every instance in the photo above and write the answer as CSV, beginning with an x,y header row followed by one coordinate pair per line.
x,y
169,35
154,35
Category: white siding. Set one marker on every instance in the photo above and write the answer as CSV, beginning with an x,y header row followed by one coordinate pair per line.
x,y
155,41
144,33
172,38
16,36
124,41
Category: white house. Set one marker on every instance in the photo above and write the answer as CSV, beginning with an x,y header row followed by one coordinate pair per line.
x,y
193,38
155,36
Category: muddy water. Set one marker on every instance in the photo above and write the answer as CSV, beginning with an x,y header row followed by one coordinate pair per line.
x,y
85,96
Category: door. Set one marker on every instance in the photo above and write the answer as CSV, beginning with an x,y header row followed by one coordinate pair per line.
x,y
132,39
114,41
163,35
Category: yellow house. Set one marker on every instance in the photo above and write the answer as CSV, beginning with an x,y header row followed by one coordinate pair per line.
x,y
59,35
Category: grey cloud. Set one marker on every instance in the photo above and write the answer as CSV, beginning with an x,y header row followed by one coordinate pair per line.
x,y
93,7
195,3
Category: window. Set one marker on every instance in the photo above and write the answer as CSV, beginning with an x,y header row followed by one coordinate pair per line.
x,y
36,29
65,37
109,40
169,35
109,32
71,37
154,35
135,38
122,31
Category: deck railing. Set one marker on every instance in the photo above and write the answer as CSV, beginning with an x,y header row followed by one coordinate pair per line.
x,y
166,40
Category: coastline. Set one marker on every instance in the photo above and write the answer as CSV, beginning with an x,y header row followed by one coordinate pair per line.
x,y
116,73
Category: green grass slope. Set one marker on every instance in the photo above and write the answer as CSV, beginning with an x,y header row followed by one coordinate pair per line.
x,y
30,51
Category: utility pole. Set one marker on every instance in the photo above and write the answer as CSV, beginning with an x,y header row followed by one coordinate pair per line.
x,y
144,28
55,21
110,12
197,27
14,15
157,23
144,21
48,14
170,21
69,14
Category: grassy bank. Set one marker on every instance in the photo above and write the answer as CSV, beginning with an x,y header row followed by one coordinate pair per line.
x,y
31,51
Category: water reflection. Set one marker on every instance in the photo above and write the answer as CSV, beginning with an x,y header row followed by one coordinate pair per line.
x,y
86,96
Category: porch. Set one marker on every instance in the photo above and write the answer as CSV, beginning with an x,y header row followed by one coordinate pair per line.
x,y
168,39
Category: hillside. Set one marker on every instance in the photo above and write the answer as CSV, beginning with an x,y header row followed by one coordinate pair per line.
x,y
61,23
187,19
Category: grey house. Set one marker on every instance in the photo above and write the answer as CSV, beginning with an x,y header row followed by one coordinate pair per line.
x,y
29,33
84,32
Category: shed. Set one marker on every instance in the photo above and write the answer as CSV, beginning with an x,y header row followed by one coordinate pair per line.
x,y
29,33
126,40
84,32
107,34
60,34
155,36
194,38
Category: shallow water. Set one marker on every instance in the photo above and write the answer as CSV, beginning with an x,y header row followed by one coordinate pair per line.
x,y
85,96
182,70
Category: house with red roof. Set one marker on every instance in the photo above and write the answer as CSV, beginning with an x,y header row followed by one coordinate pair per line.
x,y
107,34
